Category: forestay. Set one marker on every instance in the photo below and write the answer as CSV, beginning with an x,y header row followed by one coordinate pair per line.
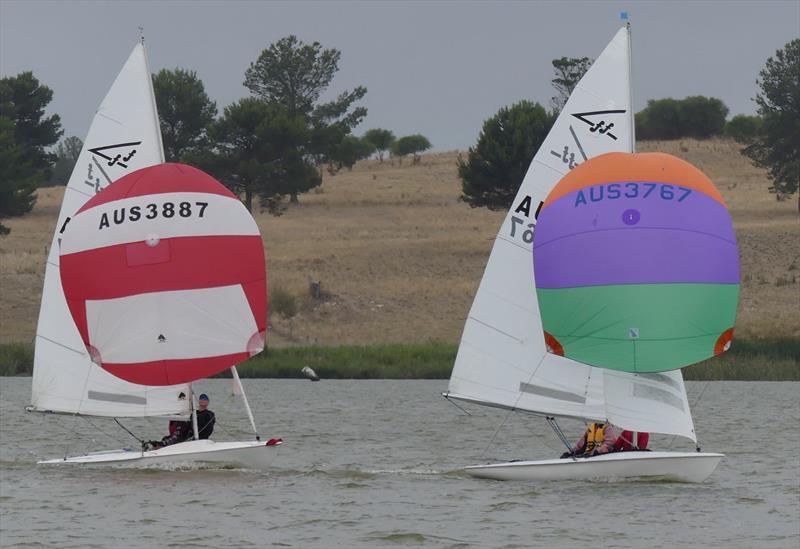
x,y
124,136
502,359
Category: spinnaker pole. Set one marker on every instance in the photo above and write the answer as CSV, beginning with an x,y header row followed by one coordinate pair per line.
x,y
238,383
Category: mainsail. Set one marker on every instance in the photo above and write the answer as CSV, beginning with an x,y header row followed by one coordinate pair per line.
x,y
124,136
165,278
502,359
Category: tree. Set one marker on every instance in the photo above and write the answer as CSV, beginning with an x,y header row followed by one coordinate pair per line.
x,y
569,70
743,128
350,150
381,139
659,120
18,178
496,165
695,116
184,111
258,153
776,146
67,153
23,101
295,75
411,144
701,117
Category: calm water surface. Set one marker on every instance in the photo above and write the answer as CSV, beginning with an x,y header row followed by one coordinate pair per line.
x,y
376,464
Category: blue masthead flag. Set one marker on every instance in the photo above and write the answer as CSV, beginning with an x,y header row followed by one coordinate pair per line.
x,y
623,15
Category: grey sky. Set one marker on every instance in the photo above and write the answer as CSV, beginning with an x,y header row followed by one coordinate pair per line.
x,y
436,68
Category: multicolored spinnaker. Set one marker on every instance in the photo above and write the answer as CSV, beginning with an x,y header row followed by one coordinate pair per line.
x,y
636,264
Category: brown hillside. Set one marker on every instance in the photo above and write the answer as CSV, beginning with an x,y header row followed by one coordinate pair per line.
x,y
399,257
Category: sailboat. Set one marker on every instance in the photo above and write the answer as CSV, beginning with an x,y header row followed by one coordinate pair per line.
x,y
70,378
506,359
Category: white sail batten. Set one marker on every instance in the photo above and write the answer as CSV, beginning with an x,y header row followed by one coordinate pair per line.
x,y
124,136
502,359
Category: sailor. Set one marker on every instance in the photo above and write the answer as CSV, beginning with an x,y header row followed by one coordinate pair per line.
x,y
598,439
625,442
180,431
205,418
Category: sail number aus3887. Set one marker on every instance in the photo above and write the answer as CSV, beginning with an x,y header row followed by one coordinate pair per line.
x,y
166,210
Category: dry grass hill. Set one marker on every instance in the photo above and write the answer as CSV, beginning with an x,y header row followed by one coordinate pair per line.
x,y
399,256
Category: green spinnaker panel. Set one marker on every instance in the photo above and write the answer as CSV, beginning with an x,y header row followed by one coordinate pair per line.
x,y
605,326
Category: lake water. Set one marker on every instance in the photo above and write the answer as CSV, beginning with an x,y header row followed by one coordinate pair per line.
x,y
376,464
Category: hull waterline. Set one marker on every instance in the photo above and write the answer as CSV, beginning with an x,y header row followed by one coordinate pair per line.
x,y
678,466
248,454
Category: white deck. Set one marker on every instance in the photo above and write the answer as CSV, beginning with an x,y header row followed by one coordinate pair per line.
x,y
249,454
680,466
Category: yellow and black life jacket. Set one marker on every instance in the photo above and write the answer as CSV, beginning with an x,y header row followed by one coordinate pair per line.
x,y
595,436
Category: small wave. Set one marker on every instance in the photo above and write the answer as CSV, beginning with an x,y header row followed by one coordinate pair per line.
x,y
398,537
507,505
349,474
750,500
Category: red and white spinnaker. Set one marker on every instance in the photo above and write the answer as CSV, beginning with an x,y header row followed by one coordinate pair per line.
x,y
165,277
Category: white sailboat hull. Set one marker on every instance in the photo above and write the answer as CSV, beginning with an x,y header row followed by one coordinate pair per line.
x,y
679,466
248,454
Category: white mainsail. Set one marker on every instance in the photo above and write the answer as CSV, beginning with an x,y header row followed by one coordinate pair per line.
x,y
502,359
124,136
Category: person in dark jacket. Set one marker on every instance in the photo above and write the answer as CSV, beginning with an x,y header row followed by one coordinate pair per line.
x,y
181,431
205,418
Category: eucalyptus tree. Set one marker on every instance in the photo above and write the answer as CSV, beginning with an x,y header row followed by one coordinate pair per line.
x,y
184,110
496,165
776,145
295,75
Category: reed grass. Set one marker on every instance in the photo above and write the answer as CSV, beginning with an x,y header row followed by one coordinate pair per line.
x,y
757,359
383,361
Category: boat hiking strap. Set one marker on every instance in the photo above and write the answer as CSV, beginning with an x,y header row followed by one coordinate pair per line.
x,y
554,425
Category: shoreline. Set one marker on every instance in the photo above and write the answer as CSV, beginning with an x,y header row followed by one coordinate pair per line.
x,y
756,359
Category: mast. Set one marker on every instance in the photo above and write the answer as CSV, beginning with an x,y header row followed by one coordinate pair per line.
x,y
630,87
194,413
152,98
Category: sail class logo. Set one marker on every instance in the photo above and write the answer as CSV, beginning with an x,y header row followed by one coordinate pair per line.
x,y
599,121
119,154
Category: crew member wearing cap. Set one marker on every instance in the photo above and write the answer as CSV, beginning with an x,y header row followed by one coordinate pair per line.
x,y
205,418
180,431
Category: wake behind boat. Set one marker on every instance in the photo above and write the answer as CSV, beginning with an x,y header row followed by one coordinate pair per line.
x,y
508,359
131,313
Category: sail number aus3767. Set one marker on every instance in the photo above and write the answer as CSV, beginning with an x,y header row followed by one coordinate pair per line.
x,y
614,191
166,210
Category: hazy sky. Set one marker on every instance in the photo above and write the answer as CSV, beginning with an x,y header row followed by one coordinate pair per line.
x,y
436,68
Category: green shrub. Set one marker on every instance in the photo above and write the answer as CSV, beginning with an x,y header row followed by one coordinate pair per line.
x,y
694,116
743,128
16,359
282,302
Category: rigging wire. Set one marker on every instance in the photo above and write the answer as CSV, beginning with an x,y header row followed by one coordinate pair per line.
x,y
142,442
457,406
692,406
95,427
513,408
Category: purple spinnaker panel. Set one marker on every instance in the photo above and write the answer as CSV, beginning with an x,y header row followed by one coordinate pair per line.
x,y
634,240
